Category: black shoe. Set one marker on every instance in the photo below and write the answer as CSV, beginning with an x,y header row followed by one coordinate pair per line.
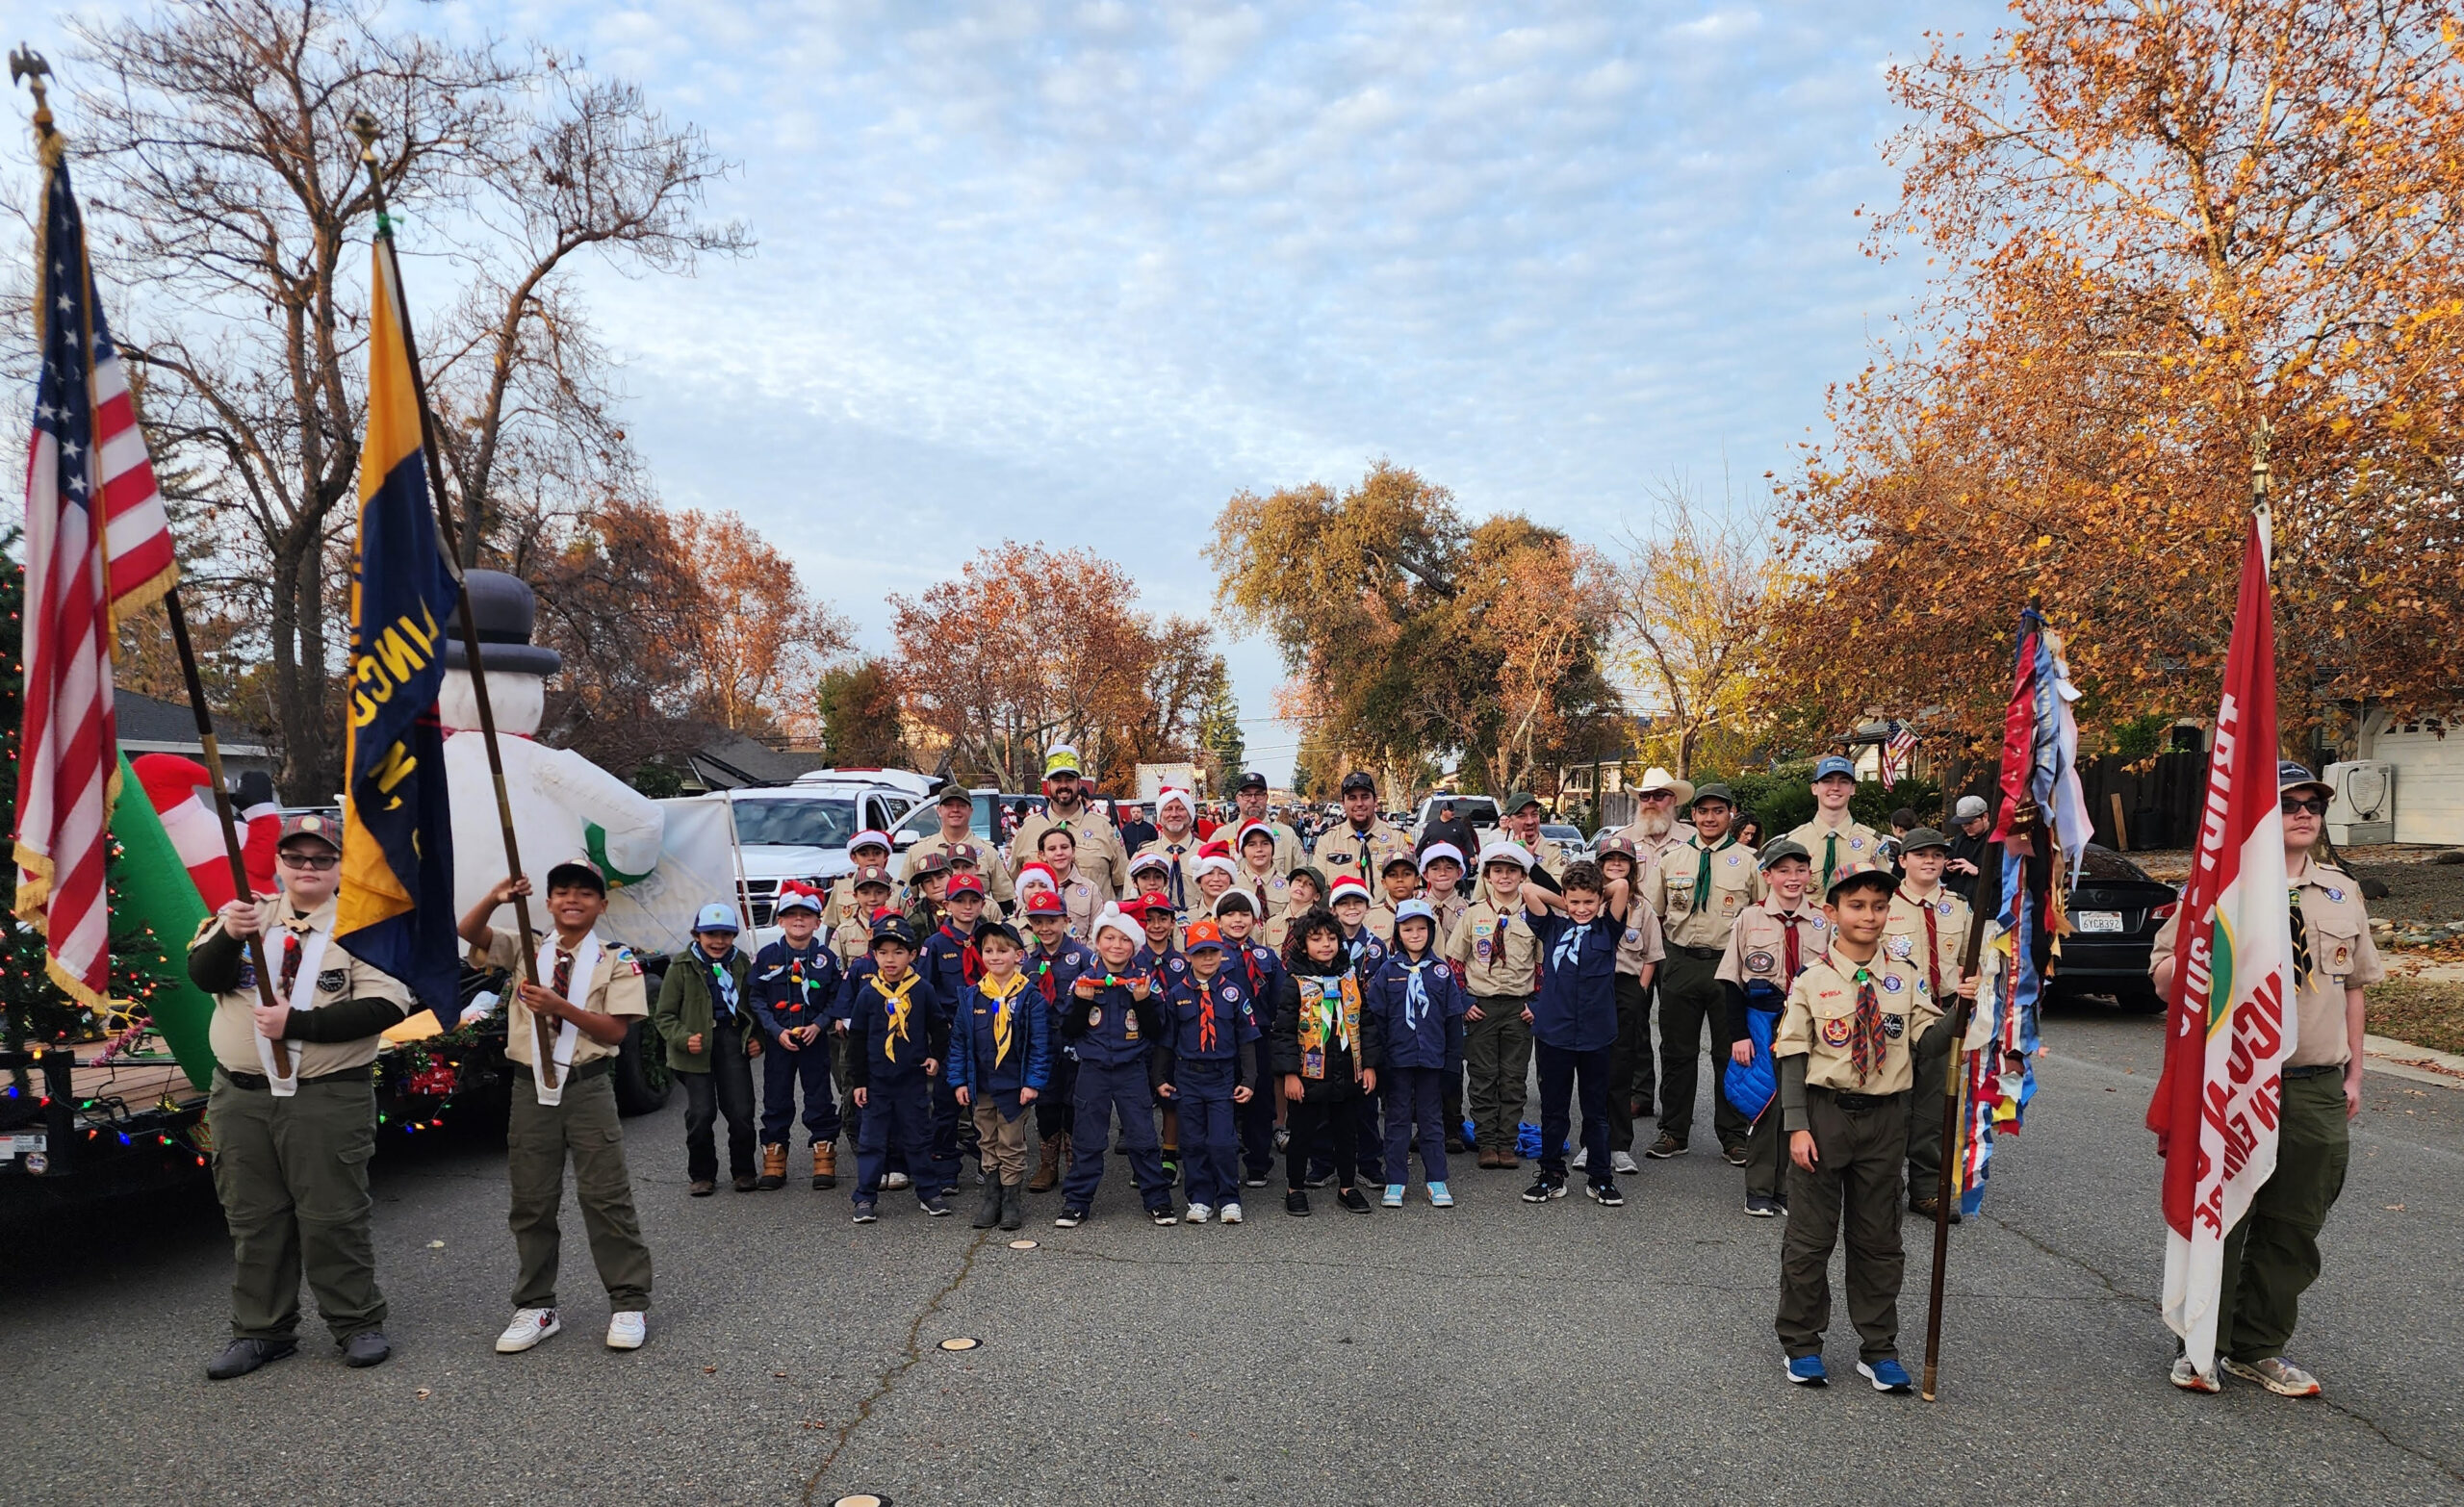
x,y
1296,1202
1734,1156
241,1356
1353,1199
1542,1189
1069,1218
988,1213
367,1348
1013,1206
1603,1192
936,1206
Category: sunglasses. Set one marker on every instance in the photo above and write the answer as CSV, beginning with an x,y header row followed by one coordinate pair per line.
x,y
2295,806
308,860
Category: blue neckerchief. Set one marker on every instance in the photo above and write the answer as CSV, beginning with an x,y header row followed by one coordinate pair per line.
x,y
722,983
1415,993
1569,949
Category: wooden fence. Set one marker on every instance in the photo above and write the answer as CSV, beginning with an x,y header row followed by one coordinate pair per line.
x,y
2159,803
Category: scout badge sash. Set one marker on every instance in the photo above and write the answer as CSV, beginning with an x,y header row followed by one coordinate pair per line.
x,y
1323,1017
304,995
576,992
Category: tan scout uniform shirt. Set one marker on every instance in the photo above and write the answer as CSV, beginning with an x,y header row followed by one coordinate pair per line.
x,y
1553,859
1757,946
839,904
1903,935
1189,843
997,882
1496,949
1817,1023
1648,848
1342,850
339,977
1858,844
1101,859
1082,902
1269,893
616,988
1668,889
1639,945
852,939
2342,957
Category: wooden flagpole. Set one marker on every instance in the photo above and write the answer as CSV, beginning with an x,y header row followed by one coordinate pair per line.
x,y
1989,884
364,126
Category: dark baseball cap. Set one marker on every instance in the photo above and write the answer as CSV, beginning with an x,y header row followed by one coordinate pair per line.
x,y
311,823
1252,780
1919,838
1359,779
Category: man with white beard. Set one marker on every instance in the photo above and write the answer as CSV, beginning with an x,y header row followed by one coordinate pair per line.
x,y
1654,831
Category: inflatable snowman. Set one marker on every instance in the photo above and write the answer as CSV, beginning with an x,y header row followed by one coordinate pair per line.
x,y
564,806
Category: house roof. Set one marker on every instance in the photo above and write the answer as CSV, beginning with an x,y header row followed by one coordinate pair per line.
x,y
732,760
148,725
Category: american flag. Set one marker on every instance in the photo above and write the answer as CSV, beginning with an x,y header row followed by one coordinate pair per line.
x,y
98,546
1899,753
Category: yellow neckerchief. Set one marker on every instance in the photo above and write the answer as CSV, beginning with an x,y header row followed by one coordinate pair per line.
x,y
900,998
1003,1016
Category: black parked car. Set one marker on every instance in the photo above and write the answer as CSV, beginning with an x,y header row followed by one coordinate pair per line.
x,y
2116,911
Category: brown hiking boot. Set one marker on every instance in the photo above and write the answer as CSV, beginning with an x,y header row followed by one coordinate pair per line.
x,y
825,1165
1048,1166
774,1167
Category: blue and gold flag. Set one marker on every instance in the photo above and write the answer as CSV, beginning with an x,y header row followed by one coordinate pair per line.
x,y
396,911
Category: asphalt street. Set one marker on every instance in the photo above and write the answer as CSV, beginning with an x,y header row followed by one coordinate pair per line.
x,y
1495,1353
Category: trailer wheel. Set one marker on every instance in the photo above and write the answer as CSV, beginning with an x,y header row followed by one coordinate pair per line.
x,y
641,1072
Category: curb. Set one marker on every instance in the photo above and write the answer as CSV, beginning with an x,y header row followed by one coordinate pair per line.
x,y
2419,1063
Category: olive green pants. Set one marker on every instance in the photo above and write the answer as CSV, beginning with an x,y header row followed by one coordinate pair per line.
x,y
1857,1157
293,1176
2272,1257
1497,1053
538,1141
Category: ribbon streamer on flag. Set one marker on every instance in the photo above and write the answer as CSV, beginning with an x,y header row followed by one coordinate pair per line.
x,y
2041,790
2229,1026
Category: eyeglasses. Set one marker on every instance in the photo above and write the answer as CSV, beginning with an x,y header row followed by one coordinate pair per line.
x,y
319,861
1655,796
2295,806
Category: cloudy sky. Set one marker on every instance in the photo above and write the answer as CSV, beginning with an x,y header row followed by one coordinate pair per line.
x,y
1078,272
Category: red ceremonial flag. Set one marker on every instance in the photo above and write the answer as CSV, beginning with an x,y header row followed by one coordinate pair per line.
x,y
2230,1026
98,546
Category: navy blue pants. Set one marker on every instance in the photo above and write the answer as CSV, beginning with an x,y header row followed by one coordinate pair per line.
x,y
1102,1092
1415,1096
898,1115
1560,1067
1057,1104
1210,1141
1256,1119
947,1118
1370,1153
781,1070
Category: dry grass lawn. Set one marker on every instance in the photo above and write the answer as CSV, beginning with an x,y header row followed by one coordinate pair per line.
x,y
2426,1012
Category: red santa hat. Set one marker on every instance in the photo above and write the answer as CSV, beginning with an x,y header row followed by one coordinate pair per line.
x,y
1170,796
1349,885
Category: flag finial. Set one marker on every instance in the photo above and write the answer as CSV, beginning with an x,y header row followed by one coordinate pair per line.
x,y
27,65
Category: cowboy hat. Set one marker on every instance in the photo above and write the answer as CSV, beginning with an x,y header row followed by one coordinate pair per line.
x,y
1659,779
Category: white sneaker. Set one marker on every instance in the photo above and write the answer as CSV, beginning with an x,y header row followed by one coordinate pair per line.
x,y
895,1179
529,1326
1622,1163
1231,1214
626,1331
1196,1214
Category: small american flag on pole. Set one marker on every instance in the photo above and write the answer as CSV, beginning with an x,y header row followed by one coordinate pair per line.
x,y
1899,753
98,547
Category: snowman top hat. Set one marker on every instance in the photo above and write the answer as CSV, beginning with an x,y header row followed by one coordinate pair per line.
x,y
504,607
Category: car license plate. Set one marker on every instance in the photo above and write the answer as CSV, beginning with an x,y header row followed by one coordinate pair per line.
x,y
28,1143
2099,920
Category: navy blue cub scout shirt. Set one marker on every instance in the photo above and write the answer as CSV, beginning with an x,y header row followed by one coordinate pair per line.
x,y
794,988
1420,1010
1576,1010
1211,1020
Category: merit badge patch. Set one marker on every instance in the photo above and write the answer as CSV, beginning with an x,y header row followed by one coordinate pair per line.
x,y
332,979
1835,1032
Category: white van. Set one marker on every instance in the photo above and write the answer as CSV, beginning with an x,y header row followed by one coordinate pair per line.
x,y
799,830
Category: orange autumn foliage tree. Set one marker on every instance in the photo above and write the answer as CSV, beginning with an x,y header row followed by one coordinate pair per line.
x,y
2179,241
1029,646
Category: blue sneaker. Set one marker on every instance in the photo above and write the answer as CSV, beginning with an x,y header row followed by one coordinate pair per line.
x,y
1886,1375
1440,1196
1807,1371
1394,1198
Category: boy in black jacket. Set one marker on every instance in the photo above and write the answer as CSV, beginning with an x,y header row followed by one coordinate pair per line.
x,y
898,1034
1324,1041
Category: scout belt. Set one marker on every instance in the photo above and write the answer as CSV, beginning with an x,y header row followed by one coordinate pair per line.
x,y
256,1083
571,1075
1859,1103
1698,954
